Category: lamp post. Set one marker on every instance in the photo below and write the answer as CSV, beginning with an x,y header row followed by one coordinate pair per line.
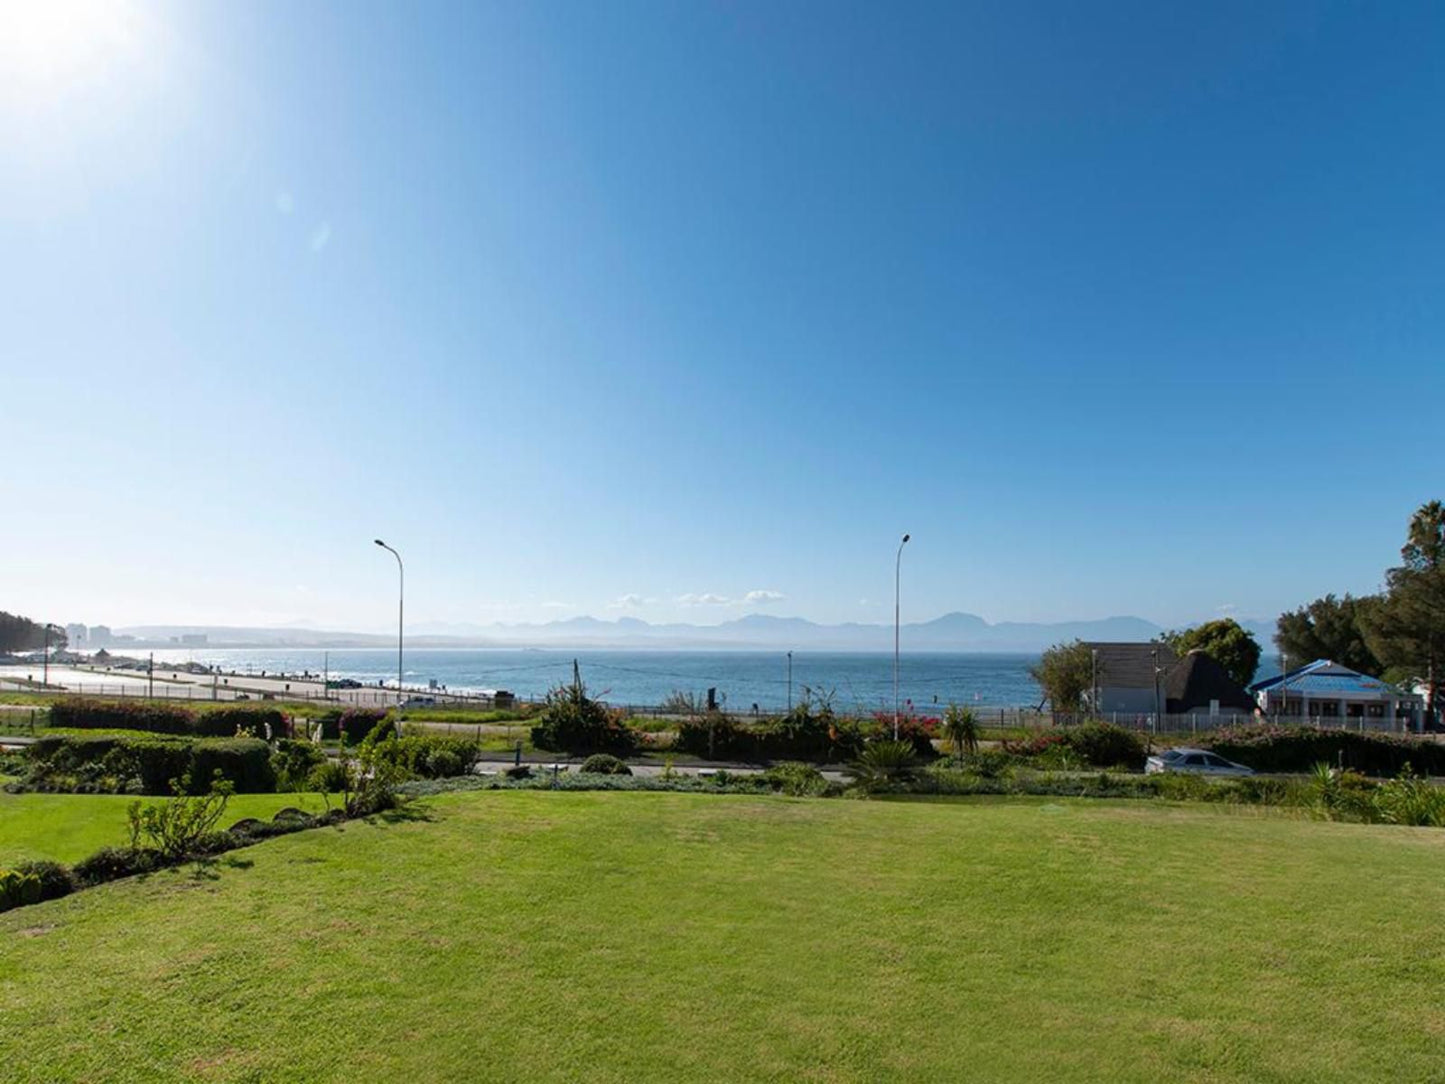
x,y
897,578
400,610
45,671
1154,655
790,683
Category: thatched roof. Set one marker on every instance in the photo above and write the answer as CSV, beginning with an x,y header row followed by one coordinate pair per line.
x,y
1196,680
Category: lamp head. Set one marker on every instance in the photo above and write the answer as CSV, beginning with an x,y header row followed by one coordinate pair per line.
x,y
905,538
380,543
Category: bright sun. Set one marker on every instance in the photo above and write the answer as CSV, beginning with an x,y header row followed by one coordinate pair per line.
x,y
45,44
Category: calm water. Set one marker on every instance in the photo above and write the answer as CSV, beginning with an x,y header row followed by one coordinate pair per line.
x,y
857,682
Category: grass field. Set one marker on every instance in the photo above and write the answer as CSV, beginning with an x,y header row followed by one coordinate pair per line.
x,y
533,935
68,827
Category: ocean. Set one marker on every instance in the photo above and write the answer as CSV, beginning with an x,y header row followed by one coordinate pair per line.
x,y
855,682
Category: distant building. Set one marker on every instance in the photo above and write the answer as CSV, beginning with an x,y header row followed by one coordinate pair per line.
x,y
1327,693
75,635
193,639
1128,679
1198,685
100,636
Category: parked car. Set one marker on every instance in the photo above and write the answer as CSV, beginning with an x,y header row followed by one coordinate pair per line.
x,y
420,702
1196,761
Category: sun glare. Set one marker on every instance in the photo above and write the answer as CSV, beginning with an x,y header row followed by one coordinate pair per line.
x,y
45,44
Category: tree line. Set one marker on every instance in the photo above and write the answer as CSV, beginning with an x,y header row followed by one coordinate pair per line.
x,y
21,634
1397,635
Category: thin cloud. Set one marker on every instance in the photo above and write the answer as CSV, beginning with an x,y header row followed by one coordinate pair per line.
x,y
627,602
762,597
284,203
320,237
558,606
707,598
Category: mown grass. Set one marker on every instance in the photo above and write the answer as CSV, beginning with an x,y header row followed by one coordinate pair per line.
x,y
622,937
69,827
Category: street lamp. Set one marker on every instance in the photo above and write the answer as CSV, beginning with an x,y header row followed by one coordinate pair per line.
x,y
790,683
45,672
897,574
400,610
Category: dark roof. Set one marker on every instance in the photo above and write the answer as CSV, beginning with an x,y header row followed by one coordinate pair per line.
x,y
1198,679
1130,666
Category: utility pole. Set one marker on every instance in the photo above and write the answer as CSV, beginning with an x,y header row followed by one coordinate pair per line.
x,y
790,683
151,677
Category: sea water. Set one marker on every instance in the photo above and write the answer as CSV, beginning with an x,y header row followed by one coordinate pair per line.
x,y
854,682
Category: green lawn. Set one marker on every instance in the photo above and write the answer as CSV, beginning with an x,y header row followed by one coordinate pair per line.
x,y
68,827
623,937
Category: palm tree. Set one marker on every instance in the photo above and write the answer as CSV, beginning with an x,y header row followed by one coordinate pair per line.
x,y
961,727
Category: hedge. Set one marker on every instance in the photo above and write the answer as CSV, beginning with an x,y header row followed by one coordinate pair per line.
x,y
357,723
152,762
87,713
1272,748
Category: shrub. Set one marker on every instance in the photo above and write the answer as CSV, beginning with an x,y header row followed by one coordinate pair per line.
x,y
1273,748
87,713
717,736
604,764
574,722
796,779
112,863
961,727
1410,800
328,777
265,723
1104,745
356,725
176,828
917,730
245,763
55,880
423,754
18,889
884,763
148,764
293,762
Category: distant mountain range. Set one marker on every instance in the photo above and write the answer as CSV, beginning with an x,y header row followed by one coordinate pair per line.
x,y
951,632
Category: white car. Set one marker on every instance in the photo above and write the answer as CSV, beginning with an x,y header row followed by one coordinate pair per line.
x,y
1197,761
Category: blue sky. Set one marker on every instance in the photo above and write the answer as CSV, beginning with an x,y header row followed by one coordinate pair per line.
x,y
641,308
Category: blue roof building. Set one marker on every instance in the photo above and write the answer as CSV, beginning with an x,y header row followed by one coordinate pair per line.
x,y
1328,694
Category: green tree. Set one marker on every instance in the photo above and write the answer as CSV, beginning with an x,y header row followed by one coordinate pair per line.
x,y
1064,673
1407,628
1329,628
21,634
1225,641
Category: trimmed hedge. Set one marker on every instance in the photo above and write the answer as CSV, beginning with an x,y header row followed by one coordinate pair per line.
x,y
1273,748
356,723
88,713
151,763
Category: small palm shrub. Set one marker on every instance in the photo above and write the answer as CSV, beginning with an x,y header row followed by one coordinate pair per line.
x,y
960,727
604,764
883,764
